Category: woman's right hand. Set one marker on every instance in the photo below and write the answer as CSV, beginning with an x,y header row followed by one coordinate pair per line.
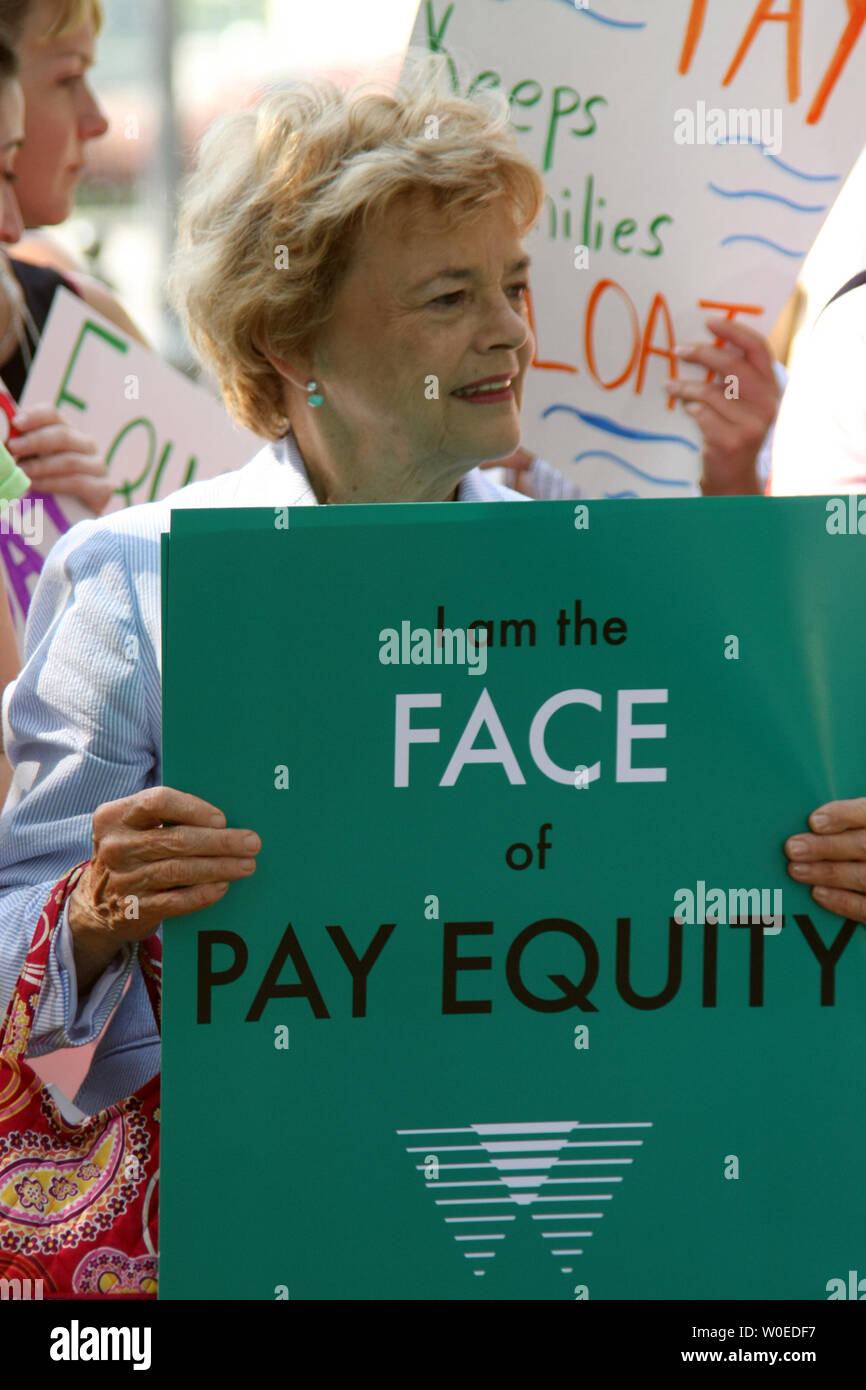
x,y
144,870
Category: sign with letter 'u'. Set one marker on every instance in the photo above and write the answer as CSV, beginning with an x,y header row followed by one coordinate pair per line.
x,y
520,1001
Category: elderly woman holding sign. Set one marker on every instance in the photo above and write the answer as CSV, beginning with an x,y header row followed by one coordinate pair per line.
x,y
353,269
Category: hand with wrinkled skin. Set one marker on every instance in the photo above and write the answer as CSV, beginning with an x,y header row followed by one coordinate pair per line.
x,y
165,852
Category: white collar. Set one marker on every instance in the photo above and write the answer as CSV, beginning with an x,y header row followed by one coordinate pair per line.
x,y
474,486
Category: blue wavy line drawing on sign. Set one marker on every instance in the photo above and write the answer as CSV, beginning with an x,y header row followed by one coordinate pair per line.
x,y
604,422
631,468
604,19
763,241
780,163
771,197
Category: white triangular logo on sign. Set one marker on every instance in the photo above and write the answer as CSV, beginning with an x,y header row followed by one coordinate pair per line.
x,y
565,1169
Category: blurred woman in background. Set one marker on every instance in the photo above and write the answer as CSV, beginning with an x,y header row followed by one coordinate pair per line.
x,y
57,458
56,44
56,49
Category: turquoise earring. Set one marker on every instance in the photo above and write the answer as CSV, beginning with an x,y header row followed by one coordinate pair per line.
x,y
315,399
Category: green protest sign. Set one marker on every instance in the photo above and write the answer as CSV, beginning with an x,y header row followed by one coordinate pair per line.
x,y
520,1001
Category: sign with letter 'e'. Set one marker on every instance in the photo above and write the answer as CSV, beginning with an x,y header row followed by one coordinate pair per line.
x,y
520,1001
156,431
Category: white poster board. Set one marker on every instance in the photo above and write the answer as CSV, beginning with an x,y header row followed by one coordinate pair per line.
x,y
691,150
156,430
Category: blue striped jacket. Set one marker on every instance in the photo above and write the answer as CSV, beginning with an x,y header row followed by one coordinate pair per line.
x,y
82,726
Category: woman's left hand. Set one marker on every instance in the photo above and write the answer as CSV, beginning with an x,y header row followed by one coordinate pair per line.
x,y
58,458
833,858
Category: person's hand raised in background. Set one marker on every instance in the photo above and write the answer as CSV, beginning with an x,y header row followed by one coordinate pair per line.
x,y
735,410
58,458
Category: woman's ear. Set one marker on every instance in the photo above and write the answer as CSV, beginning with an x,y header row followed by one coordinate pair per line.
x,y
291,372
294,370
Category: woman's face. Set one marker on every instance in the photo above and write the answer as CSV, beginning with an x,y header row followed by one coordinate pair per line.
x,y
61,115
424,312
11,135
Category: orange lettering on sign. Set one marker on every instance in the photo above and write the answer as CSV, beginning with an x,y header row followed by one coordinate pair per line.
x,y
536,360
730,311
763,15
856,20
658,307
694,29
589,334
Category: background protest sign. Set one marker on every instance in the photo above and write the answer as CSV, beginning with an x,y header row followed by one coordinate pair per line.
x,y
156,429
447,1042
691,151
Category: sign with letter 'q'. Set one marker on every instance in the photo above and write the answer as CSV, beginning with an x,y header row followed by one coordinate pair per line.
x,y
520,1001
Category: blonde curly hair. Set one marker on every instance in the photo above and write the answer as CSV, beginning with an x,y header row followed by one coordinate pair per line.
x,y
271,215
